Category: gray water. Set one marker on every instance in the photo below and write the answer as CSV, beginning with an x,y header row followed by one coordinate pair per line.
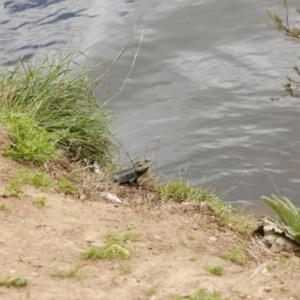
x,y
200,85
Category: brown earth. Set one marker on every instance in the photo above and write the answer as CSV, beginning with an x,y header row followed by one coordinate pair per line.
x,y
176,242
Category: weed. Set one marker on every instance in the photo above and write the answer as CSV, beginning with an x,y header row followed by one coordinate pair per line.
x,y
30,143
113,251
270,267
224,211
40,201
202,294
215,268
38,179
281,259
193,258
125,269
288,214
152,290
16,281
73,272
236,255
183,191
65,185
13,189
112,238
58,108
5,207
242,223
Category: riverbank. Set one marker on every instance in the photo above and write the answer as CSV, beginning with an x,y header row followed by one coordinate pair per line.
x,y
172,249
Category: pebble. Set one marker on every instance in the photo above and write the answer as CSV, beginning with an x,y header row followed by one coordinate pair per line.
x,y
34,274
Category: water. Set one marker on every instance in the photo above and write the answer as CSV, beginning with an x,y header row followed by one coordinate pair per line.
x,y
200,84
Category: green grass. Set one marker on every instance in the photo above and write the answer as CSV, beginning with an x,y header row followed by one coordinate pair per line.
x,y
15,281
215,268
71,272
65,185
112,238
113,251
39,179
30,143
236,254
183,191
125,269
5,207
47,106
152,290
40,201
202,294
35,178
13,189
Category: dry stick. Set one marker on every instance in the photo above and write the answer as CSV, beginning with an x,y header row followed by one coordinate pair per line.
x,y
133,62
97,81
274,184
125,151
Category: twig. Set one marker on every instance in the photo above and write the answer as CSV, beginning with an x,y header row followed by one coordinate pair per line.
x,y
274,185
118,56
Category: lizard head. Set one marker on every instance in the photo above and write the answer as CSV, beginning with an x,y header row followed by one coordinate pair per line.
x,y
143,165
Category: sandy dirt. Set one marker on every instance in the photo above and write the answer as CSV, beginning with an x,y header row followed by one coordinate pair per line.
x,y
175,243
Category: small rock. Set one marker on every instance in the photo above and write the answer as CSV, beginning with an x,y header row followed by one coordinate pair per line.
x,y
157,237
34,274
267,289
212,238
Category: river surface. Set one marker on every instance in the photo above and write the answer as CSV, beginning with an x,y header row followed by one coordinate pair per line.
x,y
200,86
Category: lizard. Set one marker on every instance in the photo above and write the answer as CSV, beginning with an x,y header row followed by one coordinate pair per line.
x,y
131,175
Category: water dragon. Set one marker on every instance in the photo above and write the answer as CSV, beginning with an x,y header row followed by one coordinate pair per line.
x,y
131,175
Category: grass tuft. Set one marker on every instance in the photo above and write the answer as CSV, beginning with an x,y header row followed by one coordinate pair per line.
x,y
16,281
202,294
46,105
71,272
30,143
215,268
236,254
112,238
183,191
113,251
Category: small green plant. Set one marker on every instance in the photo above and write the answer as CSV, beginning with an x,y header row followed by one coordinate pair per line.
x,y
13,189
270,267
236,255
193,258
40,201
224,211
288,214
152,290
183,191
30,143
113,251
65,185
215,268
35,178
4,207
202,294
16,281
112,238
243,223
46,105
125,269
71,272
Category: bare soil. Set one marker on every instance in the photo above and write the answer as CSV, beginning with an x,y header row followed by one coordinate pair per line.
x,y
176,242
